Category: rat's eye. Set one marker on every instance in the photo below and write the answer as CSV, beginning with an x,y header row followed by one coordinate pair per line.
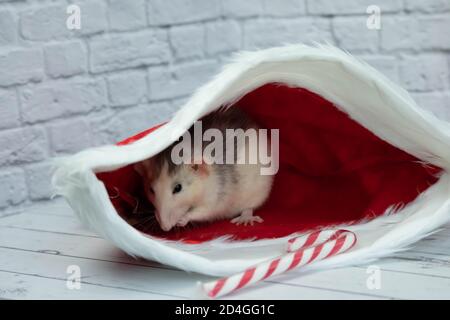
x,y
177,188
152,191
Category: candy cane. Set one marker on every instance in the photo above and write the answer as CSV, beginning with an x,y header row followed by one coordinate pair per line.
x,y
301,251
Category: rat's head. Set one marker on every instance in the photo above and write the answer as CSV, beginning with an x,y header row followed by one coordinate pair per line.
x,y
176,191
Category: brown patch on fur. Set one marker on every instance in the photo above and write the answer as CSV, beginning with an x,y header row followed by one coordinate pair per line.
x,y
221,119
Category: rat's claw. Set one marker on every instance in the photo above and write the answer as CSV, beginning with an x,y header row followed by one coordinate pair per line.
x,y
246,219
237,221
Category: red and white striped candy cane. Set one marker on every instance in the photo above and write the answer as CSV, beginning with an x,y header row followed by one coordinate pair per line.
x,y
301,251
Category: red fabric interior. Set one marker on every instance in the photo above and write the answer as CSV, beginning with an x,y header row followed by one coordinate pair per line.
x,y
332,170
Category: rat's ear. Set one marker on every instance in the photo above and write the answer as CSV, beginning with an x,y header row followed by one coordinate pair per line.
x,y
200,168
142,168
139,168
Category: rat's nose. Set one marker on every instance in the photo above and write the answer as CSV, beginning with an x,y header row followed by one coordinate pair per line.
x,y
158,216
165,227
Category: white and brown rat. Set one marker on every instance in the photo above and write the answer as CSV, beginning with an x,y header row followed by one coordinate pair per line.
x,y
206,192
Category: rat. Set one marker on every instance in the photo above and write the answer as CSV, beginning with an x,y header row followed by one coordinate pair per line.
x,y
202,192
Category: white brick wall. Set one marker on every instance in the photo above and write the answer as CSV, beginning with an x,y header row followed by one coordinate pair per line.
x,y
133,63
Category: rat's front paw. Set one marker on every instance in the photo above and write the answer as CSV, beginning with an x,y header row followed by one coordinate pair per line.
x,y
246,217
182,222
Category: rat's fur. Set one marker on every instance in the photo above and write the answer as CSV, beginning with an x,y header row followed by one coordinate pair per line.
x,y
209,192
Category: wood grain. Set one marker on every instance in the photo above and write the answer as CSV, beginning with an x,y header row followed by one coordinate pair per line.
x,y
37,246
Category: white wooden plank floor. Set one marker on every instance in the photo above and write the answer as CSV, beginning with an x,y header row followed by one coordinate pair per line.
x,y
38,244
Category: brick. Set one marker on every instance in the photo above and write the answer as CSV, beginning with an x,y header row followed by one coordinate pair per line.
x,y
436,102
179,80
267,33
164,111
135,120
242,9
127,15
429,6
284,8
188,41
19,66
111,128
127,89
415,33
8,27
352,34
94,17
48,101
45,23
340,7
65,59
387,65
223,36
129,50
13,186
38,178
102,125
162,12
9,109
22,145
178,103
426,72
69,136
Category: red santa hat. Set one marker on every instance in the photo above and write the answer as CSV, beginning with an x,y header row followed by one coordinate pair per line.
x,y
355,151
